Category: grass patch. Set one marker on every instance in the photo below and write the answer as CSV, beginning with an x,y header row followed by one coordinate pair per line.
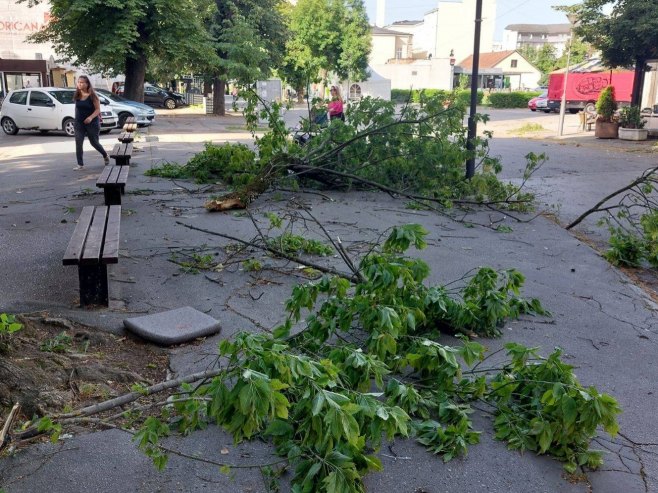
x,y
527,129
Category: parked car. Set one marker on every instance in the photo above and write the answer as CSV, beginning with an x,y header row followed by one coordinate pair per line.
x,y
124,108
45,109
539,103
157,96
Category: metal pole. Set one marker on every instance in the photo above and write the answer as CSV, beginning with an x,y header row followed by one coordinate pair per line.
x,y
472,125
563,104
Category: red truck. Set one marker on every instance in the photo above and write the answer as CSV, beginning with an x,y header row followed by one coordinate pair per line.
x,y
583,89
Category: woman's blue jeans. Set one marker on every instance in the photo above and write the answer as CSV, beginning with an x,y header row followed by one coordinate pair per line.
x,y
92,131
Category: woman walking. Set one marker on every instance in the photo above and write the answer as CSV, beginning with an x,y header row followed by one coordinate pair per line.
x,y
87,119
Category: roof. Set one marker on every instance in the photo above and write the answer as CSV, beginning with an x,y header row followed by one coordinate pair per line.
x,y
487,60
406,23
540,28
374,30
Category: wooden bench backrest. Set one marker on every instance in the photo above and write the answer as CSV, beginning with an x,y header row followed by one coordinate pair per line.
x,y
96,237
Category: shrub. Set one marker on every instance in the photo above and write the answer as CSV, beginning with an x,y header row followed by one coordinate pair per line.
x,y
631,117
510,99
606,105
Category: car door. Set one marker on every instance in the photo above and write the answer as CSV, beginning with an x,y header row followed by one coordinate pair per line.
x,y
15,107
151,96
41,111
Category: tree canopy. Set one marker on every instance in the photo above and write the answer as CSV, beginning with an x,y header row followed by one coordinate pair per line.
x,y
112,36
327,36
628,35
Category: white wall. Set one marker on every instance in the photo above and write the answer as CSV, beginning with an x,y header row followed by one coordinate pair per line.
x,y
457,27
421,74
523,76
383,49
17,22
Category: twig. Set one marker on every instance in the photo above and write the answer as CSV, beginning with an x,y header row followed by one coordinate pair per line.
x,y
5,429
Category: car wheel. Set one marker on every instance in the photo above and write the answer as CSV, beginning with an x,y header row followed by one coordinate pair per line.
x,y
69,127
122,119
532,109
573,111
9,126
169,103
546,111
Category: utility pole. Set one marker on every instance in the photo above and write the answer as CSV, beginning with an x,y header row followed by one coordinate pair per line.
x,y
472,125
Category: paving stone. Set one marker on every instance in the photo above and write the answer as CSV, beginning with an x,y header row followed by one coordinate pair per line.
x,y
173,326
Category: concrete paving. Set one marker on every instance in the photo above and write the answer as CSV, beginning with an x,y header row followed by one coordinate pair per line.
x,y
606,325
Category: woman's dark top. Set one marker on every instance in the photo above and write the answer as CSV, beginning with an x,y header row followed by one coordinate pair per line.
x,y
83,108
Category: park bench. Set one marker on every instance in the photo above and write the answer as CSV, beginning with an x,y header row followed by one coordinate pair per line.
x,y
121,153
126,137
94,245
587,120
129,124
113,182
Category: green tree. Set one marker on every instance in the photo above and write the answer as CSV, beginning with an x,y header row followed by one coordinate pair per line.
x,y
250,39
326,36
627,36
112,36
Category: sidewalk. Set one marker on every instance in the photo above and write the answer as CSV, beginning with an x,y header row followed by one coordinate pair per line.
x,y
607,326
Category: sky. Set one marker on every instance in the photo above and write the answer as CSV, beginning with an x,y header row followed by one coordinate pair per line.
x,y
507,12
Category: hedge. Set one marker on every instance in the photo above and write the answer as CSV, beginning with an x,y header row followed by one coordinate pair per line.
x,y
413,95
510,99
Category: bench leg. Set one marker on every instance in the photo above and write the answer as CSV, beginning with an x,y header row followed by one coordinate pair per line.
x,y
112,195
93,285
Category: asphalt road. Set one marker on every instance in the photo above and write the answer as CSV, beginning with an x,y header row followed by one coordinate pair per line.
x,y
606,325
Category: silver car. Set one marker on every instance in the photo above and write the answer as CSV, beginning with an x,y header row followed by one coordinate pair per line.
x,y
144,115
45,109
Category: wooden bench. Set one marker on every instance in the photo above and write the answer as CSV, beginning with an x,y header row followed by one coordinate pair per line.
x,y
94,245
587,120
126,137
121,153
129,124
113,182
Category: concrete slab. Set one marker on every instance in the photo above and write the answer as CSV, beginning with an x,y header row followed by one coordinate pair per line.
x,y
173,326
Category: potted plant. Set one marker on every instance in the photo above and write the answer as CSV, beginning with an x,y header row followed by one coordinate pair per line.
x,y
606,126
631,124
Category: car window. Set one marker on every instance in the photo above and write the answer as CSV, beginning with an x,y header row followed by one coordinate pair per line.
x,y
19,97
38,98
149,89
64,97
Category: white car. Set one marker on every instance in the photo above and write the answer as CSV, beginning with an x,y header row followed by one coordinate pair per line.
x,y
45,109
144,115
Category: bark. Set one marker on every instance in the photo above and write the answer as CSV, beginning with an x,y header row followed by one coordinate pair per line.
x,y
219,87
638,83
135,73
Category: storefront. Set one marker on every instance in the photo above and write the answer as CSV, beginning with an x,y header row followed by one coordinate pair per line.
x,y
18,74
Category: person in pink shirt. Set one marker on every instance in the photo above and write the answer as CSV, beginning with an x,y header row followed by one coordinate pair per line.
x,y
335,106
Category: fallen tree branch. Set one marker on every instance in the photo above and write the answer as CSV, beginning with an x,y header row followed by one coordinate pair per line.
x,y
646,176
7,426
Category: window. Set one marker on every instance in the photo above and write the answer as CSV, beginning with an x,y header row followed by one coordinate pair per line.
x,y
64,97
514,63
19,97
414,73
355,91
38,98
398,53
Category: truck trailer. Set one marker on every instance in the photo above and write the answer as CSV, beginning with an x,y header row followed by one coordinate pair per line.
x,y
583,89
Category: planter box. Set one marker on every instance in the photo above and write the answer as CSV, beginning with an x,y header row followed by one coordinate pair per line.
x,y
606,130
633,133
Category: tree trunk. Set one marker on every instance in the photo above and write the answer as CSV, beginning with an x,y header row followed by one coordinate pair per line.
x,y
300,94
638,83
218,106
135,73
207,87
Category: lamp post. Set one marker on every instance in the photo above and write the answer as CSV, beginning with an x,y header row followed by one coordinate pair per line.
x,y
452,69
472,124
573,19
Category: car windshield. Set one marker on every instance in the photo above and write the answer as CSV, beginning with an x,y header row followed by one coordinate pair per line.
x,y
64,97
113,97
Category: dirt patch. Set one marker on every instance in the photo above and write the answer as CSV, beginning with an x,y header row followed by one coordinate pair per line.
x,y
53,364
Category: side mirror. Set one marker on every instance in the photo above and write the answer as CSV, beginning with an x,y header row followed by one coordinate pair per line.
x,y
50,104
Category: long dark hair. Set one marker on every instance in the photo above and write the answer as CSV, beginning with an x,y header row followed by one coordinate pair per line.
x,y
92,94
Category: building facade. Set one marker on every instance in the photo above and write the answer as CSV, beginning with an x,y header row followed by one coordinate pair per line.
x,y
502,70
517,36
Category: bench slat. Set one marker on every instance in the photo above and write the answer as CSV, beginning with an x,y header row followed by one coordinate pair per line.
x,y
77,242
102,179
92,252
123,174
111,247
129,150
114,174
